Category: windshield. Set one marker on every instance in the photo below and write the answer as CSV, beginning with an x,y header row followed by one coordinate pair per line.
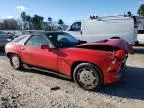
x,y
62,39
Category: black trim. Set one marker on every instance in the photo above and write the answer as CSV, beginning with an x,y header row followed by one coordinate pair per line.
x,y
48,71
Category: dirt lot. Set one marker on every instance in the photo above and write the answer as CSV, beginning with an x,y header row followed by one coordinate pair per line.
x,y
32,88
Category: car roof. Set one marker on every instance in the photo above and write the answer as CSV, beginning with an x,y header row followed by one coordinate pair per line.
x,y
46,32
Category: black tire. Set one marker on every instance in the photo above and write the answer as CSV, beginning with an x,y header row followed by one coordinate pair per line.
x,y
15,62
87,76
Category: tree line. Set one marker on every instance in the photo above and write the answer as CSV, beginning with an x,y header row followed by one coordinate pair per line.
x,y
28,22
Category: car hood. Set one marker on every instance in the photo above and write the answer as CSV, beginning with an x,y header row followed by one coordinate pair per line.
x,y
109,45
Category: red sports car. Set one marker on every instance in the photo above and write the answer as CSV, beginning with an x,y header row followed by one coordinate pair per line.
x,y
91,65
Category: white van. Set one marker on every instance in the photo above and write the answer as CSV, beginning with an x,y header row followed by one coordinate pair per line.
x,y
140,36
93,30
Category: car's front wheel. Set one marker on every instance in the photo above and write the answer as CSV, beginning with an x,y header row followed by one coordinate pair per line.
x,y
87,76
15,62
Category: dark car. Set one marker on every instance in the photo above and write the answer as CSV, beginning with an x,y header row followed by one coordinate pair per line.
x,y
5,38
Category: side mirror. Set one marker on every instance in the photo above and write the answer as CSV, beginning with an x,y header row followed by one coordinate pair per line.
x,y
45,47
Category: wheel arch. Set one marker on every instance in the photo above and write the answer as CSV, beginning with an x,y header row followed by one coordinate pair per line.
x,y
12,53
76,63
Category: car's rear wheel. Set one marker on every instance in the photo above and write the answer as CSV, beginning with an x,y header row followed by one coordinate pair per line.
x,y
15,62
87,76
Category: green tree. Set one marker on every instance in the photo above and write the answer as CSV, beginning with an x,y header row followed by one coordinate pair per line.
x,y
141,10
23,17
29,20
37,22
60,21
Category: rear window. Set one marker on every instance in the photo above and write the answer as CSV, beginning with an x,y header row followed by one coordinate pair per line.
x,y
18,39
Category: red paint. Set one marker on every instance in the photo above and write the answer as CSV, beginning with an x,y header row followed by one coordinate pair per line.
x,y
62,59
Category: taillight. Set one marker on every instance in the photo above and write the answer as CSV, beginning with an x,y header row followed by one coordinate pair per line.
x,y
120,55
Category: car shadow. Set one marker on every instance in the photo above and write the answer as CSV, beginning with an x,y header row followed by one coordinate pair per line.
x,y
130,86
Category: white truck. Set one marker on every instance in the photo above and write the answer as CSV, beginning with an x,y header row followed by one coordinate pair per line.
x,y
101,28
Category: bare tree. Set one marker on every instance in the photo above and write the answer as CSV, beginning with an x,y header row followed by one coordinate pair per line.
x,y
10,24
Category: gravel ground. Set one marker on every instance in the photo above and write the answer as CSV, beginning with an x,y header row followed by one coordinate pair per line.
x,y
33,88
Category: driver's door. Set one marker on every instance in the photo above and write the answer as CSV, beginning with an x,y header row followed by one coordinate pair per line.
x,y
42,58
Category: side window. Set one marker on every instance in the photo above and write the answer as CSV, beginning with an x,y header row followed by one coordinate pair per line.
x,y
76,27
37,41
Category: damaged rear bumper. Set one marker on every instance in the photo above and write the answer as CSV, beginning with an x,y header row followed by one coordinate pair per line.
x,y
115,72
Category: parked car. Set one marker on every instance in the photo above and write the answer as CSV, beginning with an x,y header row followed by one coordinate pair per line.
x,y
105,28
91,65
27,32
4,39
